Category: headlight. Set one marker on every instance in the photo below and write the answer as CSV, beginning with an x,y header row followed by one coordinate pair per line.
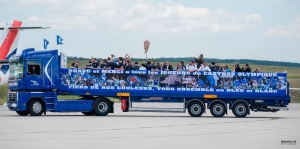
x,y
13,105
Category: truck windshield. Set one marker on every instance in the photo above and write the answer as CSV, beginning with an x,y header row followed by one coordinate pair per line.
x,y
16,70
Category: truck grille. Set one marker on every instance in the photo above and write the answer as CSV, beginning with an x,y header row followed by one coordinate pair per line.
x,y
12,97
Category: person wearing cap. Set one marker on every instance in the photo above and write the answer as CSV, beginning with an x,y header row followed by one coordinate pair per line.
x,y
191,67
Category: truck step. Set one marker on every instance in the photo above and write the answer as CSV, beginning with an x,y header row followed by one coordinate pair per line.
x,y
166,110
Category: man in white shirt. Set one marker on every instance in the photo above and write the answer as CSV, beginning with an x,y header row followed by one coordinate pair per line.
x,y
191,67
122,81
204,67
143,67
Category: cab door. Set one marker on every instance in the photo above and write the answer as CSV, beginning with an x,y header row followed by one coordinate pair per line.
x,y
34,78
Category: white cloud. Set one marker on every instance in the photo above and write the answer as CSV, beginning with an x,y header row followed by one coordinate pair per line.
x,y
253,17
63,22
292,30
137,15
279,30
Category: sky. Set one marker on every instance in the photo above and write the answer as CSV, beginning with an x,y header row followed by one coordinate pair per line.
x,y
224,29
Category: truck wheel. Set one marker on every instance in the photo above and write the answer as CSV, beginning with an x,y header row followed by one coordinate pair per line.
x,y
88,113
240,109
35,107
101,107
195,108
22,113
218,109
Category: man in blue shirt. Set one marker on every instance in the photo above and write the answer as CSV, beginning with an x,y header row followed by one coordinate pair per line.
x,y
33,71
95,64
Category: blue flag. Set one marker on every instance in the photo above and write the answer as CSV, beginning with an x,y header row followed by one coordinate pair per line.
x,y
11,54
59,40
46,42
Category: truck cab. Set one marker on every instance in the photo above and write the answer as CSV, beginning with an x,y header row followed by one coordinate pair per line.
x,y
34,70
32,74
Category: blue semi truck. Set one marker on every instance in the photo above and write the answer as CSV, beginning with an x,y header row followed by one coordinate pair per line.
x,y
37,78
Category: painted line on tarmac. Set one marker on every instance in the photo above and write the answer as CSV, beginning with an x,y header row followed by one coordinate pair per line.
x,y
141,127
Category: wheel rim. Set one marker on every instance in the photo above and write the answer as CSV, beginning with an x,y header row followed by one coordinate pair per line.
x,y
218,109
102,107
37,107
240,109
196,109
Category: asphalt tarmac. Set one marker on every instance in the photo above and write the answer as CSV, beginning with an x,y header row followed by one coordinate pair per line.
x,y
124,130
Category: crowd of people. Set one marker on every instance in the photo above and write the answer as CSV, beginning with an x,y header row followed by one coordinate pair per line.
x,y
197,64
222,81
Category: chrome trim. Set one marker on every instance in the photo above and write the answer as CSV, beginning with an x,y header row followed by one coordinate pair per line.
x,y
12,97
102,107
46,72
173,110
37,107
44,76
278,108
216,107
196,106
244,109
51,73
184,109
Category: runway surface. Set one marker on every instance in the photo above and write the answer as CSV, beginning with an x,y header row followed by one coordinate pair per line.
x,y
150,130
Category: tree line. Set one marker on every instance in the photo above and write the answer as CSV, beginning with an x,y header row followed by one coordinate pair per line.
x,y
208,60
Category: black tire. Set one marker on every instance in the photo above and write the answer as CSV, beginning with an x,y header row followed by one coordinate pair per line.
x,y
195,108
88,113
218,109
22,113
102,107
36,107
240,109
